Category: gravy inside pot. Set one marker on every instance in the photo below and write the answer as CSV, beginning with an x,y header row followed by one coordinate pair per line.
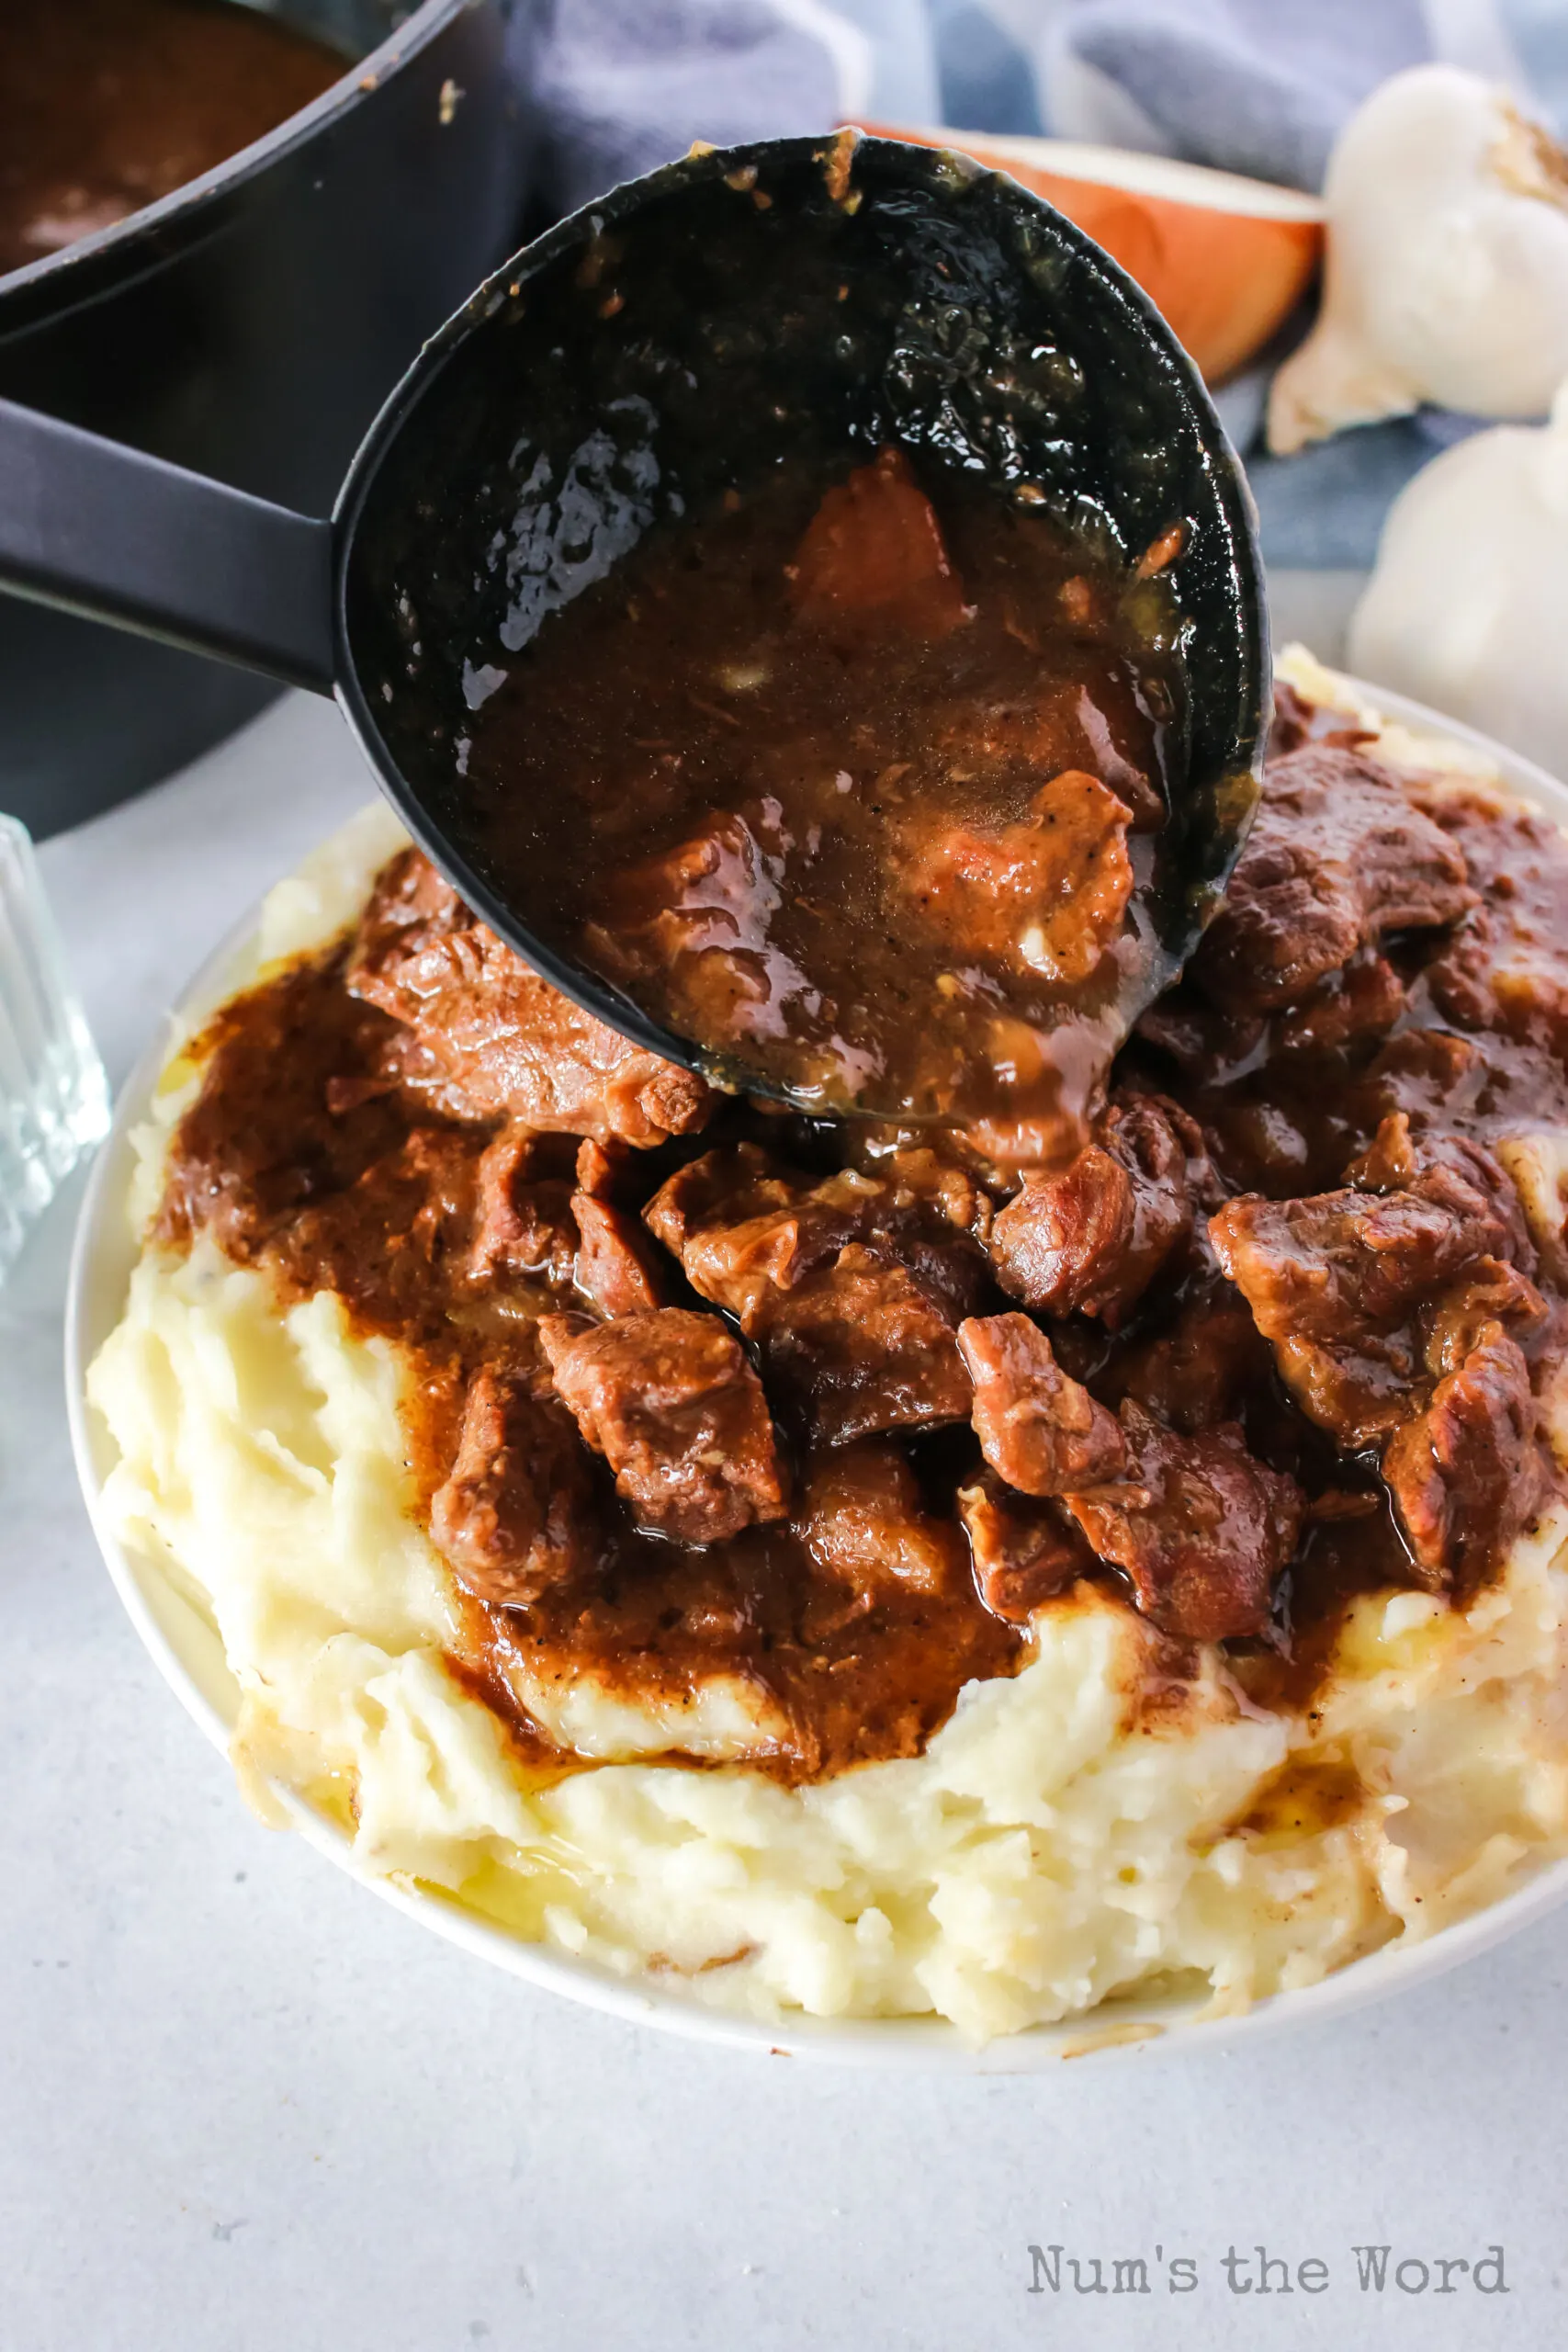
x,y
106,106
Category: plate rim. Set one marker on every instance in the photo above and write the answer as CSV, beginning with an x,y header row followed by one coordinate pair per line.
x,y
102,1253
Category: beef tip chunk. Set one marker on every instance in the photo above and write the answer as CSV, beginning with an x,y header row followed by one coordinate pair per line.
x,y
743,1228
1090,1240
1038,1429
1347,1284
872,560
1051,727
523,1223
1334,1282
860,1346
1432,1072
1022,1552
1503,968
1047,895
599,1170
1456,1172
919,1182
1466,1475
499,1041
1291,724
1345,1011
617,1269
1196,1373
513,1516
863,1524
698,918
919,1212
1205,1044
1491,1292
671,1402
1201,1527
850,1288
1339,855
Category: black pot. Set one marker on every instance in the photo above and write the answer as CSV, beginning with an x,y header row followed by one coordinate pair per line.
x,y
248,326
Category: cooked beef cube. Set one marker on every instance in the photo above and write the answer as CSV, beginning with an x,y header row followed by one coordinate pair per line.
x,y
1023,1551
419,1226
1292,722
920,1181
1090,1240
617,1267
1334,1281
513,1515
1342,1282
920,1212
1489,977
598,1169
1048,894
1491,1292
1052,726
1460,1174
1201,1527
1504,970
499,1040
1339,855
863,1522
1038,1429
1197,1373
860,1346
696,918
742,1229
1466,1474
1362,1001
872,559
671,1402
850,1288
1202,1041
1425,1070
523,1224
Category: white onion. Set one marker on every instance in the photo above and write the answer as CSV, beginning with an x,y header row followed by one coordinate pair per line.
x,y
1468,607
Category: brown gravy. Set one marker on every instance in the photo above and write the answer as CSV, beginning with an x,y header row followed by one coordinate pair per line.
x,y
108,105
326,1152
376,1203
862,791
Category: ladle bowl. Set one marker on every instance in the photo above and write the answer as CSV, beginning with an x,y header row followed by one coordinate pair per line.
x,y
802,298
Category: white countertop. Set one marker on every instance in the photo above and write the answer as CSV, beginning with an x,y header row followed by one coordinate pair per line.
x,y
244,2106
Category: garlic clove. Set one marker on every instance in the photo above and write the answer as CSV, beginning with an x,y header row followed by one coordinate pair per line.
x,y
1467,608
1446,277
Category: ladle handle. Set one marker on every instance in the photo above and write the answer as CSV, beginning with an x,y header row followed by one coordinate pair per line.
x,y
111,532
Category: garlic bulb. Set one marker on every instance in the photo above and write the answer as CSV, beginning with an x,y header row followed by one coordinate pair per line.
x,y
1447,270
1468,606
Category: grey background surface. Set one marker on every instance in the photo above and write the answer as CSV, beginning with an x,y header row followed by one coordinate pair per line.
x,y
243,2105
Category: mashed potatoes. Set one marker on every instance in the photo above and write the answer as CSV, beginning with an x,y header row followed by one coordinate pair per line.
x,y
1058,1842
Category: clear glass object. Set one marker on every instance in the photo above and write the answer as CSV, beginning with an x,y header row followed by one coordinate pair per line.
x,y
54,1098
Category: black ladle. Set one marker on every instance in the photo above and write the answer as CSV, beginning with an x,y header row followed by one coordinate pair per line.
x,y
797,298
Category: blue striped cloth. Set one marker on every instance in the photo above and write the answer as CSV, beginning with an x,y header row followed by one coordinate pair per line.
x,y
1258,86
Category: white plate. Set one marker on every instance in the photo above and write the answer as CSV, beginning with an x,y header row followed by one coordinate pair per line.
x,y
190,1657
